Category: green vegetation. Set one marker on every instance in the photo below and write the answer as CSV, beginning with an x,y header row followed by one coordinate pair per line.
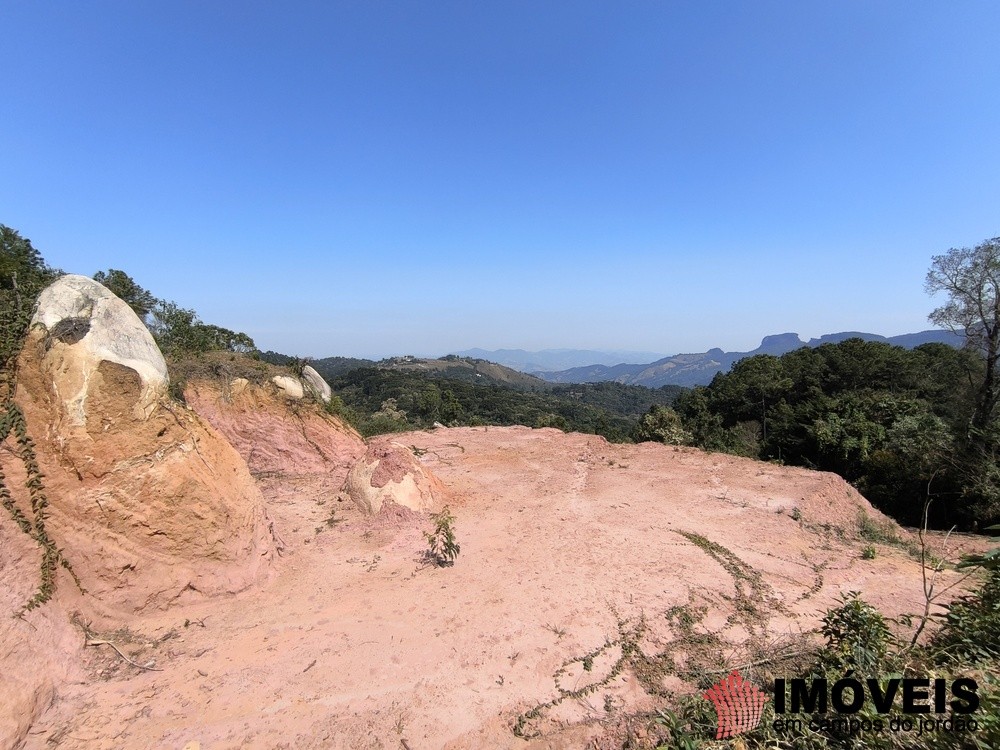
x,y
663,425
329,367
124,287
888,420
859,644
178,332
381,400
23,275
442,548
900,425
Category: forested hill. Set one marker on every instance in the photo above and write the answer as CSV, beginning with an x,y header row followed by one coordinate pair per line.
x,y
469,369
894,422
452,367
409,393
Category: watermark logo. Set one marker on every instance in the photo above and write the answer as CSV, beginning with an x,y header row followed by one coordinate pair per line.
x,y
901,705
951,702
739,705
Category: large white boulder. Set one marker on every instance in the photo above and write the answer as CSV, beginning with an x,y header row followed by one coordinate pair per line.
x,y
315,383
86,325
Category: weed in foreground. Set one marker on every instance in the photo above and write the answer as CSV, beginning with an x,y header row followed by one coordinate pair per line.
x,y
442,547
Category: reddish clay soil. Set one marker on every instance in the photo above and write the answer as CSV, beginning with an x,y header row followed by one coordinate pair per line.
x,y
355,642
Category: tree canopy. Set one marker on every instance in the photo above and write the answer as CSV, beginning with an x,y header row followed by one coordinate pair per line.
x,y
23,275
123,286
970,277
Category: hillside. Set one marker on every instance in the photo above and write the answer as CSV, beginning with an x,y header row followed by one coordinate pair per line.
x,y
567,543
453,367
393,399
245,557
699,369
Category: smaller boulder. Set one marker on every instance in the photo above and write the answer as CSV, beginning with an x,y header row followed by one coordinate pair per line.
x,y
290,387
238,386
390,473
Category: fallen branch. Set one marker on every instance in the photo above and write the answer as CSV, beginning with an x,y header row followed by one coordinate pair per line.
x,y
119,652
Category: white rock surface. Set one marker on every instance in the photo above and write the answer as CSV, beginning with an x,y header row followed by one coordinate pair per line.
x,y
315,383
289,386
86,325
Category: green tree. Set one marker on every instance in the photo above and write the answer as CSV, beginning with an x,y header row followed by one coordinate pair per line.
x,y
451,408
178,331
124,287
23,275
173,328
662,425
970,277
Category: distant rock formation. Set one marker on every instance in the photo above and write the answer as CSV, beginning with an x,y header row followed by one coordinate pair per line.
x,y
699,369
390,473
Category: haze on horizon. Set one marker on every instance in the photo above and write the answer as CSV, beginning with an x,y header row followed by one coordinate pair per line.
x,y
367,179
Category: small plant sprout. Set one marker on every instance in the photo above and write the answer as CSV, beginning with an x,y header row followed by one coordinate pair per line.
x,y
868,553
442,548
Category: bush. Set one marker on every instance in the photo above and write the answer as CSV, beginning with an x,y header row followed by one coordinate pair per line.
x,y
857,637
971,630
442,547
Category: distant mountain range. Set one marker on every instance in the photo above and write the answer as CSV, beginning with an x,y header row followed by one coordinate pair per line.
x,y
687,369
552,360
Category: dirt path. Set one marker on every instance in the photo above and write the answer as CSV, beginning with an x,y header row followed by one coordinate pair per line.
x,y
354,643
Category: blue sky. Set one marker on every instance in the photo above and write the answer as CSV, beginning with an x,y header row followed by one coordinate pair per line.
x,y
377,177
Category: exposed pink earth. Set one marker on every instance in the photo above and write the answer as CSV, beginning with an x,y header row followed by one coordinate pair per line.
x,y
354,642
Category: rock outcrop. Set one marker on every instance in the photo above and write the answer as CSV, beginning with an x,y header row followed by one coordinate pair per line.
x,y
289,387
310,383
315,383
88,334
149,502
390,473
273,434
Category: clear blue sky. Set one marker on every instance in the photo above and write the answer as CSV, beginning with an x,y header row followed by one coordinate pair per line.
x,y
379,177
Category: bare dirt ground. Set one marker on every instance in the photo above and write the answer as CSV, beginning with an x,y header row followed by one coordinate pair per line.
x,y
568,544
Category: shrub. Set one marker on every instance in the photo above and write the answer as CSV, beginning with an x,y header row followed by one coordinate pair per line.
x,y
971,630
442,547
857,636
